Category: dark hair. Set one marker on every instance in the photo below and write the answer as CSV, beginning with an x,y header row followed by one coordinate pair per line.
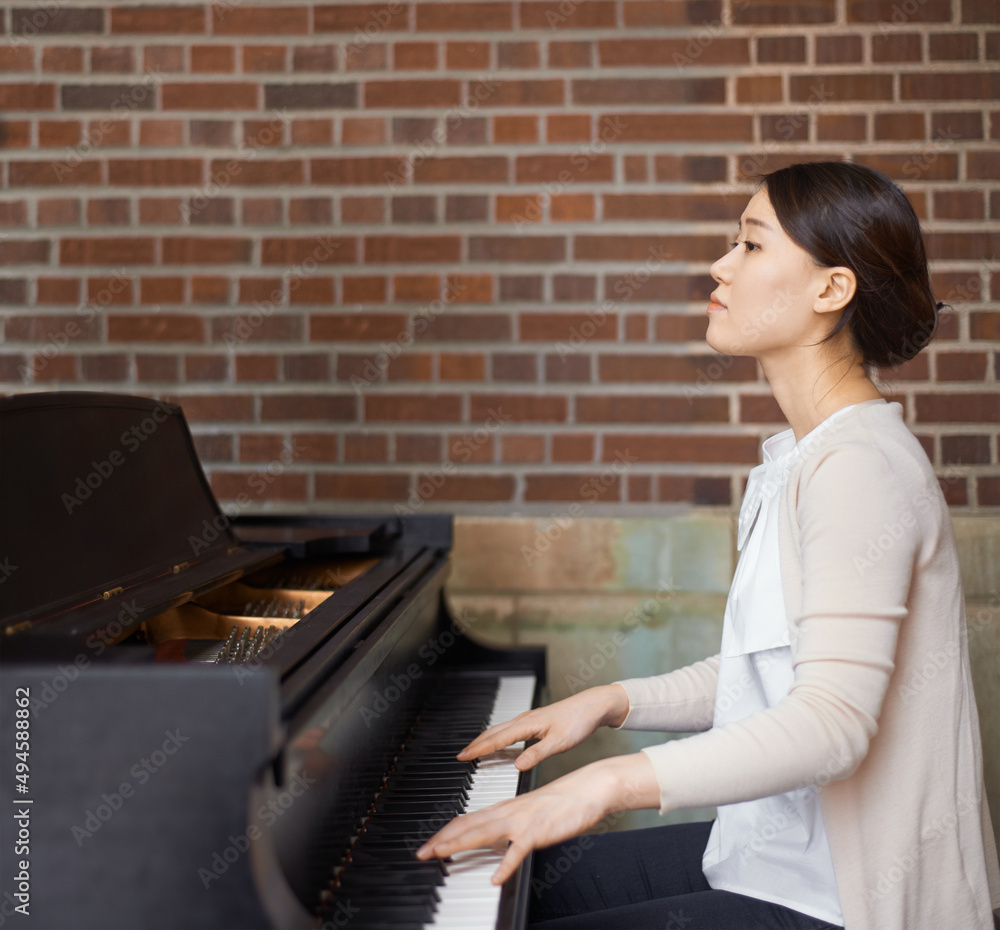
x,y
849,215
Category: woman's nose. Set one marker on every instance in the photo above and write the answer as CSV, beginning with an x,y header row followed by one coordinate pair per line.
x,y
720,270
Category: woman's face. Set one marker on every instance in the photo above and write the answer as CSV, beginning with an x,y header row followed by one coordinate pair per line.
x,y
768,288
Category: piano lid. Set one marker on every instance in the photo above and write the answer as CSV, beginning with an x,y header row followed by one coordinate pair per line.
x,y
100,492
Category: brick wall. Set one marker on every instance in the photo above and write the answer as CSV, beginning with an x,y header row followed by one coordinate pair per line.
x,y
455,255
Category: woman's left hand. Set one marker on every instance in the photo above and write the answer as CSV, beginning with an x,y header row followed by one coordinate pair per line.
x,y
563,809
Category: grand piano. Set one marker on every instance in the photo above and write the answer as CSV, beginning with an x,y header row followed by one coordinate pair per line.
x,y
213,720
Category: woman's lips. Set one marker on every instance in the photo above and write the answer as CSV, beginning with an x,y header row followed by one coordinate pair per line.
x,y
715,305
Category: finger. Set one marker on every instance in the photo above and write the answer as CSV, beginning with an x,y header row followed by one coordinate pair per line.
x,y
497,738
512,859
482,835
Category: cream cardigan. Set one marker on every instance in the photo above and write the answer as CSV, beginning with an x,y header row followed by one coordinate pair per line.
x,y
881,714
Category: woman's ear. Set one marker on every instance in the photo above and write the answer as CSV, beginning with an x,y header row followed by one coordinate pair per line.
x,y
838,288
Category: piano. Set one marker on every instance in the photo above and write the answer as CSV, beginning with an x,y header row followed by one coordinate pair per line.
x,y
226,720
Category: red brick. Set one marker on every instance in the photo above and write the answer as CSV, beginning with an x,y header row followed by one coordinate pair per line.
x,y
364,289
572,447
210,289
416,288
359,57
254,367
53,173
962,245
464,169
517,248
514,367
323,250
464,56
159,327
939,85
475,447
13,213
414,93
58,369
982,165
167,58
110,291
161,290
170,20
535,169
262,211
955,489
209,96
571,54
462,366
568,128
357,327
458,487
961,366
213,59
786,12
959,205
695,168
464,327
414,56
681,53
412,447
984,326
957,408
363,486
149,172
888,11
513,55
366,447
17,58
760,408
157,368
694,489
572,328
670,12
646,91
321,58
485,15
406,249
353,171
900,126
160,210
262,21
370,18
62,59
413,408
696,207
59,211
312,132
469,288
523,447
988,490
556,14
651,249
16,134
25,96
113,60
211,250
519,208
589,487
58,133
57,291
922,165
161,132
666,127
357,131
681,447
263,58
840,127
205,368
627,367
107,251
293,407
652,408
519,408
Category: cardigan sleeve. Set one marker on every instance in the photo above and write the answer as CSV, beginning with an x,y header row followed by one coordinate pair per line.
x,y
843,644
680,701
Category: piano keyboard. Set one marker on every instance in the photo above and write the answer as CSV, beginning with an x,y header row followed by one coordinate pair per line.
x,y
380,885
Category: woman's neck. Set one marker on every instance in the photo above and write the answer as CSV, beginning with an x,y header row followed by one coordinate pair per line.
x,y
809,387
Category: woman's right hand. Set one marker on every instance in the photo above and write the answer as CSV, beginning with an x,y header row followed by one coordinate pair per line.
x,y
557,727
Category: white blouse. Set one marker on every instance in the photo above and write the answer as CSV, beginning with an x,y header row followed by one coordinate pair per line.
x,y
773,848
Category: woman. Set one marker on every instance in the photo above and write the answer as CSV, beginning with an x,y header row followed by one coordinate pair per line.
x,y
849,782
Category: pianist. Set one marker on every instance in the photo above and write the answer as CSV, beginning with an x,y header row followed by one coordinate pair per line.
x,y
848,781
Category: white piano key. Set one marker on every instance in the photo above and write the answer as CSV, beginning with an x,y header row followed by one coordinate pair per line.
x,y
469,900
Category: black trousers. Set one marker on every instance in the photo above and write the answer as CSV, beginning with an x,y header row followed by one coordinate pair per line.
x,y
644,879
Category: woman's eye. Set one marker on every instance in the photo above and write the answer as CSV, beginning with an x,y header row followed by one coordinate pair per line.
x,y
750,246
